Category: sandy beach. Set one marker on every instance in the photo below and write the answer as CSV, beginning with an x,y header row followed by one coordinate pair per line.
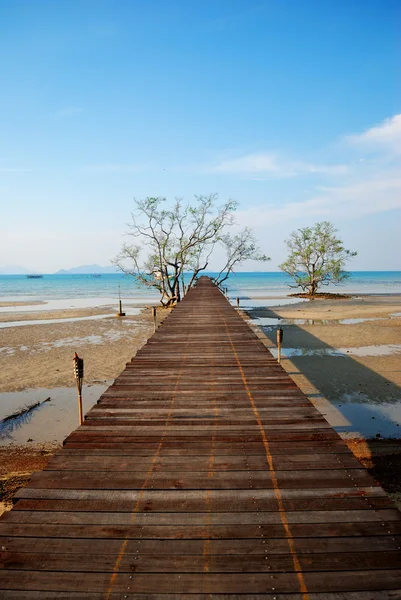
x,y
40,355
343,354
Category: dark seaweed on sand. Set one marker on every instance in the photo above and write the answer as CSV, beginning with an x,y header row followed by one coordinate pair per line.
x,y
18,418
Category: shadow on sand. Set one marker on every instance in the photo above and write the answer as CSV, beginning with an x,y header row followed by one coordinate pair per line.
x,y
357,401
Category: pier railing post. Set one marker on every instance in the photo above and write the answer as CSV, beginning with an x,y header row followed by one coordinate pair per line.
x,y
79,376
279,343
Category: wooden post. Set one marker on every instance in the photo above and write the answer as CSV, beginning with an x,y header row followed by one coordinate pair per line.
x,y
120,306
237,302
79,375
279,342
154,317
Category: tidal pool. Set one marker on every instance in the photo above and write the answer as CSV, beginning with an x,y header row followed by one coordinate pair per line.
x,y
267,322
382,350
52,421
131,312
358,415
252,303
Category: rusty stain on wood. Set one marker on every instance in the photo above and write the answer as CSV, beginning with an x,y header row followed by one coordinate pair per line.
x,y
202,472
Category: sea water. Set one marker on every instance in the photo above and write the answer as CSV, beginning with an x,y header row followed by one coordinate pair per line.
x,y
83,288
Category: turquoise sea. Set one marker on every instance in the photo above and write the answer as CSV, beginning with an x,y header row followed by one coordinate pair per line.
x,y
251,285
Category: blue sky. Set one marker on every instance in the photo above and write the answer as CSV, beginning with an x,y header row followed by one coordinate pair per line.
x,y
292,107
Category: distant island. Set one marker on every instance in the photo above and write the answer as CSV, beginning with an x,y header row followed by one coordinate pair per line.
x,y
14,270
88,270
80,270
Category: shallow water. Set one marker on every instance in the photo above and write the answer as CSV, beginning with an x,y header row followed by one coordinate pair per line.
x,y
52,421
67,304
129,312
252,303
382,350
267,322
356,414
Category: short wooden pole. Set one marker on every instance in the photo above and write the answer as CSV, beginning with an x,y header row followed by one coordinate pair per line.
x,y
80,415
154,317
79,376
279,342
120,306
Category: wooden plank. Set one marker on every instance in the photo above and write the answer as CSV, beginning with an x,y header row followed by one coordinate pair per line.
x,y
200,518
200,480
204,532
272,595
197,504
221,583
200,463
195,563
227,547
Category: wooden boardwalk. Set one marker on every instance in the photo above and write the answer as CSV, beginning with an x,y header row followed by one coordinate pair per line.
x,y
202,472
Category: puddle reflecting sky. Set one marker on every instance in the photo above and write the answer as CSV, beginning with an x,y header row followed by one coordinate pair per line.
x,y
69,304
356,414
383,350
274,321
131,312
52,421
250,303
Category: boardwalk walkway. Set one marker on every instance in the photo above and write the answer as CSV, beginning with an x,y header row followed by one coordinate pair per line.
x,y
203,472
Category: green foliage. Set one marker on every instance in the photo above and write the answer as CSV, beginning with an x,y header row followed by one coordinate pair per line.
x,y
316,257
171,241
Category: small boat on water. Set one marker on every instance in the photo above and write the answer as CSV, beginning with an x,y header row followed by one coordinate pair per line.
x,y
32,276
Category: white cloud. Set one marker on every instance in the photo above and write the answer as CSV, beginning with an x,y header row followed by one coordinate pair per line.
x,y
323,169
117,168
252,163
385,136
259,165
348,201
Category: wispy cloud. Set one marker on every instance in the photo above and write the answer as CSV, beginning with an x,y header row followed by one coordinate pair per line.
x,y
269,165
369,184
117,168
68,111
383,137
251,163
349,201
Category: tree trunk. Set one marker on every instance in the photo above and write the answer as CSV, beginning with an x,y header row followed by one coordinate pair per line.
x,y
177,290
312,290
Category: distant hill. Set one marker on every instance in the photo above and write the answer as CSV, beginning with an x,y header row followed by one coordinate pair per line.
x,y
14,270
87,270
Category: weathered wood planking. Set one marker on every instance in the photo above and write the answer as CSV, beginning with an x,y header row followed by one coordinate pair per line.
x,y
202,472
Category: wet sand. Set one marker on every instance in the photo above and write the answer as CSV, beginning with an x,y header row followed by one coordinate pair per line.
x,y
40,355
17,463
351,372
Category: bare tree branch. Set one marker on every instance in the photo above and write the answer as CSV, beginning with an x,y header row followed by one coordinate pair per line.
x,y
172,241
